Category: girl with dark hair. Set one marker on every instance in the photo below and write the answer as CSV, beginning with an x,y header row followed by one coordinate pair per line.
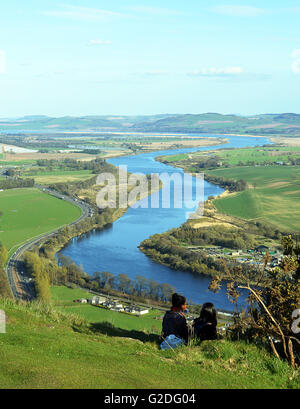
x,y
205,327
174,328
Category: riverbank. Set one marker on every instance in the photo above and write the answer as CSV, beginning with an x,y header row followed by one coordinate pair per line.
x,y
96,252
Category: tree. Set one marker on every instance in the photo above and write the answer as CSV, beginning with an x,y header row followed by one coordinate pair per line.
x,y
3,254
273,297
123,282
36,267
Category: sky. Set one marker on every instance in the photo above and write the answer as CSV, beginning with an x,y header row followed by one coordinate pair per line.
x,y
129,57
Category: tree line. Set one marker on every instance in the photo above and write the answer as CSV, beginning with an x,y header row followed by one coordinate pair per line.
x,y
4,285
164,250
97,165
16,183
64,271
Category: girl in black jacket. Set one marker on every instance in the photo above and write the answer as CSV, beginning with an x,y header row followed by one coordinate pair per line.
x,y
174,322
205,327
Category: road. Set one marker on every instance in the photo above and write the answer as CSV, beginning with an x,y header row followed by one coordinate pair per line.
x,y
21,286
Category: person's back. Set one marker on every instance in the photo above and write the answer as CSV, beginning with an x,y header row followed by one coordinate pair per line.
x,y
205,327
174,322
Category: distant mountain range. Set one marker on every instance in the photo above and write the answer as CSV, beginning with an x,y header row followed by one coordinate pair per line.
x,y
266,124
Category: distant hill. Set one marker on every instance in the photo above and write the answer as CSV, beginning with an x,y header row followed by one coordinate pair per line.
x,y
266,124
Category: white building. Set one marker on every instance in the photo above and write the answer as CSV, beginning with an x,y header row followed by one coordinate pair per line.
x,y
97,300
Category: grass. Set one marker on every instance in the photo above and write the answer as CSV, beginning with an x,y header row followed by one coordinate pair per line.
x,y
176,158
17,162
45,348
274,195
257,155
63,297
59,176
28,213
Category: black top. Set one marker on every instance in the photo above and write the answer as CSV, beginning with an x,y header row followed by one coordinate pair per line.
x,y
175,323
204,330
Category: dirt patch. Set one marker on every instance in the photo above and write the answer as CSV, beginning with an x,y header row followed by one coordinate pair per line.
x,y
36,156
286,141
278,184
266,126
213,223
193,142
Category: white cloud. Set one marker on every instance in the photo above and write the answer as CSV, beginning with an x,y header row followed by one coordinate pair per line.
x,y
296,62
83,13
238,11
2,62
99,42
217,72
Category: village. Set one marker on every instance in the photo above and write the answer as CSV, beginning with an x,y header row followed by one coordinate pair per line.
x,y
113,305
225,318
253,256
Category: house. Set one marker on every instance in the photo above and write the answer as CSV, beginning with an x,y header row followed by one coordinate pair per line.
x,y
118,308
131,309
261,249
141,311
97,300
107,304
117,304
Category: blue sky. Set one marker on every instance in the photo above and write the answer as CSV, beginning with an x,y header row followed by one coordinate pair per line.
x,y
93,57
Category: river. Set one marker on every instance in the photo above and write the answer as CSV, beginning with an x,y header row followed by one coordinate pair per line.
x,y
115,249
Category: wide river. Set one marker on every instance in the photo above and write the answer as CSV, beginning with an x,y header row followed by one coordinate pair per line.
x,y
115,249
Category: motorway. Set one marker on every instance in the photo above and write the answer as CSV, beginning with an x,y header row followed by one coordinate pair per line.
x,y
21,286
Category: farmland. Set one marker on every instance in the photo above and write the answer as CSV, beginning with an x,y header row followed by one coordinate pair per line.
x,y
27,213
89,146
59,176
273,190
272,182
243,156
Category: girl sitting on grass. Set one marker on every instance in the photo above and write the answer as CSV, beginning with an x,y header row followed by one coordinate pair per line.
x,y
205,327
174,328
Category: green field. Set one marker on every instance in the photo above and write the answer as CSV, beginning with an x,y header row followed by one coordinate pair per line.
x,y
258,155
63,297
233,157
59,176
28,213
274,195
47,348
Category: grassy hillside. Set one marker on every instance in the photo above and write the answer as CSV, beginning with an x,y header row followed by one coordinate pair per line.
x,y
28,213
45,348
274,189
